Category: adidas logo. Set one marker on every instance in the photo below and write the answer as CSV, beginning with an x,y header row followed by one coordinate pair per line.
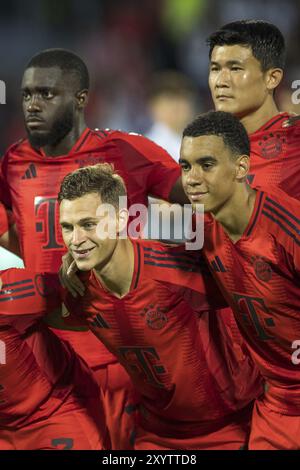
x,y
30,172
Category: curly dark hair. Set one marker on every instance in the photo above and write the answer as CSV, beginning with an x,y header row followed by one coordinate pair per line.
x,y
224,125
265,39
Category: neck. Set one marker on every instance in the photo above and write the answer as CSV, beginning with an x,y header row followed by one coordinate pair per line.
x,y
235,214
256,119
64,146
117,274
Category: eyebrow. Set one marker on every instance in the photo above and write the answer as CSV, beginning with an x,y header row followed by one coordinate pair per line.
x,y
229,62
205,159
81,221
87,219
38,88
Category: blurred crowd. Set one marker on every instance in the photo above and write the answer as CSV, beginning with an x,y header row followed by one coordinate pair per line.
x,y
126,42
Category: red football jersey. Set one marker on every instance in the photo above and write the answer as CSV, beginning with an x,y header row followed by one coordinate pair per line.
x,y
190,366
36,368
275,156
30,182
3,220
260,276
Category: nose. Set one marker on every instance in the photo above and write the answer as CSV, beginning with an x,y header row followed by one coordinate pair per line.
x,y
222,78
34,104
194,177
78,236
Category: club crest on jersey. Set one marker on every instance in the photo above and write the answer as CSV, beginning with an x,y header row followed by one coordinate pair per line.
x,y
271,146
156,317
263,270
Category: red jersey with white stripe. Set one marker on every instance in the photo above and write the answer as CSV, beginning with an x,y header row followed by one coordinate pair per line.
x,y
260,276
189,365
36,368
275,156
30,182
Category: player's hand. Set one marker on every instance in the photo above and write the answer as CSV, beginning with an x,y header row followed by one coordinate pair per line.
x,y
293,119
69,278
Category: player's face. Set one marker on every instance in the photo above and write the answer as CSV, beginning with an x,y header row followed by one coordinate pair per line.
x,y
236,81
83,225
48,105
208,171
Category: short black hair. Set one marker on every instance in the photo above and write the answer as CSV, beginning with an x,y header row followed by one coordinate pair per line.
x,y
66,60
265,39
224,125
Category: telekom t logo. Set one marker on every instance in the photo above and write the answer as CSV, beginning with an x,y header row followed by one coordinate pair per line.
x,y
2,352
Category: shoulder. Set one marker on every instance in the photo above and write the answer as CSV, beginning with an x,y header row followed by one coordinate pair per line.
x,y
137,142
172,264
19,146
282,215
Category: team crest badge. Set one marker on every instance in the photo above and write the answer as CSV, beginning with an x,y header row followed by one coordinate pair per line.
x,y
271,147
156,317
262,269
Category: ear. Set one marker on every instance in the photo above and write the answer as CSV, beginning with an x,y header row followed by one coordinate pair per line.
x,y
273,78
82,98
242,167
122,222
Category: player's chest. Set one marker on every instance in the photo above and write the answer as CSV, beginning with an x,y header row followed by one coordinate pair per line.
x,y
250,265
147,315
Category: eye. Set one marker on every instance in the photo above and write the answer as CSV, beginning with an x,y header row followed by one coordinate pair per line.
x,y
66,228
47,94
214,68
184,166
89,225
235,68
207,166
25,95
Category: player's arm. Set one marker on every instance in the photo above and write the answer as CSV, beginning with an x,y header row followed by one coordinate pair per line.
x,y
160,173
61,319
9,240
25,292
8,232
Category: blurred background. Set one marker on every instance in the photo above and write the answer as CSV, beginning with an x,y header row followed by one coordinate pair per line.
x,y
148,59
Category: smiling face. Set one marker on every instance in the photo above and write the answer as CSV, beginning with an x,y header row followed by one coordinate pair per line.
x,y
49,105
80,220
237,83
209,171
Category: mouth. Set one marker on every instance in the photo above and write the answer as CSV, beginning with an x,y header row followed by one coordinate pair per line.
x,y
196,196
34,123
81,254
224,97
